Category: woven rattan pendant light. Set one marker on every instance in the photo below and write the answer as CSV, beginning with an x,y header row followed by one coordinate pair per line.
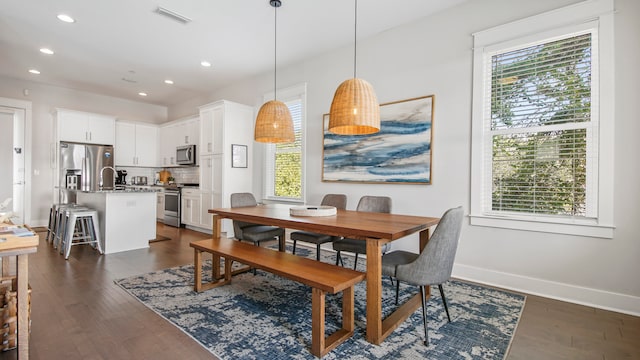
x,y
274,124
354,109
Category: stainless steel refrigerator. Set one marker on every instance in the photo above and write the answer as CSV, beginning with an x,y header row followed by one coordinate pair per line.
x,y
81,166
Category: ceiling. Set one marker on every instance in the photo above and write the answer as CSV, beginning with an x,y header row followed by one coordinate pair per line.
x,y
122,47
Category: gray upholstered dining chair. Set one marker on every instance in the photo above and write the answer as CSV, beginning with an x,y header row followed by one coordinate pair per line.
x,y
367,203
339,201
250,231
432,266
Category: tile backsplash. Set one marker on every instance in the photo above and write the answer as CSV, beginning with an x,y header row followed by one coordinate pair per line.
x,y
181,175
184,175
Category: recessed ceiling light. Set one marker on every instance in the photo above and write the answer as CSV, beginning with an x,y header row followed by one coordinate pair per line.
x,y
142,93
205,63
170,82
34,71
66,18
46,51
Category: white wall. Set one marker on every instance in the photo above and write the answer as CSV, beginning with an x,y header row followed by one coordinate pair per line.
x,y
44,99
434,56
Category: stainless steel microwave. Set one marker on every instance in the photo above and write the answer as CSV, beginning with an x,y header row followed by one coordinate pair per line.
x,y
186,155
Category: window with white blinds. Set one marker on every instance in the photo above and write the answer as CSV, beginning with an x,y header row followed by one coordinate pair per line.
x,y
284,162
541,128
542,134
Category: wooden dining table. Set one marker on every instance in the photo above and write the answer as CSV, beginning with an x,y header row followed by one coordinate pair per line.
x,y
376,229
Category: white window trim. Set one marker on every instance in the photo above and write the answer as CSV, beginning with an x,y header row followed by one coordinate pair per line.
x,y
536,27
293,92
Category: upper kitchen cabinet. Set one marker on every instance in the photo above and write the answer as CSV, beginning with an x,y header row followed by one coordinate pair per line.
x,y
177,133
82,127
136,144
223,123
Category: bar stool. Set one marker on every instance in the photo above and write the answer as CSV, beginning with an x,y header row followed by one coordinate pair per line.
x,y
52,222
60,222
82,227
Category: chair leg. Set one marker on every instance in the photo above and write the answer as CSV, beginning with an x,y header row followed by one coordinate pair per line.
x,y
424,314
317,251
294,247
397,290
444,301
254,269
355,263
339,259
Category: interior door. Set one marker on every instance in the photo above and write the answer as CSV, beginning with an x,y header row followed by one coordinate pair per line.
x,y
12,188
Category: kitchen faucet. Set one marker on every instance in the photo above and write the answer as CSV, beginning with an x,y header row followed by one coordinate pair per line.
x,y
101,173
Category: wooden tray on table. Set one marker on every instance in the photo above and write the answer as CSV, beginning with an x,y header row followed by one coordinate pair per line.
x,y
15,237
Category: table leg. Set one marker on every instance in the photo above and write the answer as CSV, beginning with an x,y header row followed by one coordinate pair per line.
x,y
377,328
217,225
5,266
197,270
374,291
424,238
23,306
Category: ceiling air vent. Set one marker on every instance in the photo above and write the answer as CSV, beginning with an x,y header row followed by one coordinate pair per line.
x,y
173,15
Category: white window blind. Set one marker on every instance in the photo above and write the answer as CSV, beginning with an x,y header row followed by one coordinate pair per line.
x,y
541,128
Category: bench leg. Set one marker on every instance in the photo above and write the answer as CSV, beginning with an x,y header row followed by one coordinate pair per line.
x,y
320,345
317,322
197,270
198,285
348,308
215,266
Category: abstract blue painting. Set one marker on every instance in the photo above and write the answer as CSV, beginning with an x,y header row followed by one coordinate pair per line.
x,y
399,153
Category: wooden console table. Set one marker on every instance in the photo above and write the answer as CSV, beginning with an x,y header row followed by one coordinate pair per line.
x,y
20,247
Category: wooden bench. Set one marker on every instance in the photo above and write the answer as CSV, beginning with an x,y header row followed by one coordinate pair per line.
x,y
321,277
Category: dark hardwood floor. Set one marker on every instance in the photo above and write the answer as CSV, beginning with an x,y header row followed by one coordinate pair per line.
x,y
79,313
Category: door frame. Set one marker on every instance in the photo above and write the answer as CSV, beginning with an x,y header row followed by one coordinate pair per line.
x,y
26,107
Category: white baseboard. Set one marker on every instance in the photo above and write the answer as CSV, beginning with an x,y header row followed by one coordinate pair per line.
x,y
199,229
601,299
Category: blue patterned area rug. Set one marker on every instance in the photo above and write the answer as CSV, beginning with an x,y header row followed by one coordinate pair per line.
x,y
264,316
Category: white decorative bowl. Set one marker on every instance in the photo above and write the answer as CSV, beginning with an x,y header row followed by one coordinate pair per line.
x,y
310,210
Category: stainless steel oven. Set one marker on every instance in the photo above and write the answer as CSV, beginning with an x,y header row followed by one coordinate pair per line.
x,y
172,207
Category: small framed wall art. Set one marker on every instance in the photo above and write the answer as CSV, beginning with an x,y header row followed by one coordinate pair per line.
x,y
238,156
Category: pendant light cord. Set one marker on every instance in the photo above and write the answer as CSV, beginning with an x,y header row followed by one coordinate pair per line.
x,y
275,51
355,38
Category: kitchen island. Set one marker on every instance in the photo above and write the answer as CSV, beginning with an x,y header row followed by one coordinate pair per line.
x,y
127,217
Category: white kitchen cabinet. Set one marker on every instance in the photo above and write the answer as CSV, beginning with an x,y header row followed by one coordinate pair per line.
x,y
211,122
125,147
223,123
160,205
174,134
190,207
83,127
190,132
146,145
167,146
136,144
206,203
206,173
